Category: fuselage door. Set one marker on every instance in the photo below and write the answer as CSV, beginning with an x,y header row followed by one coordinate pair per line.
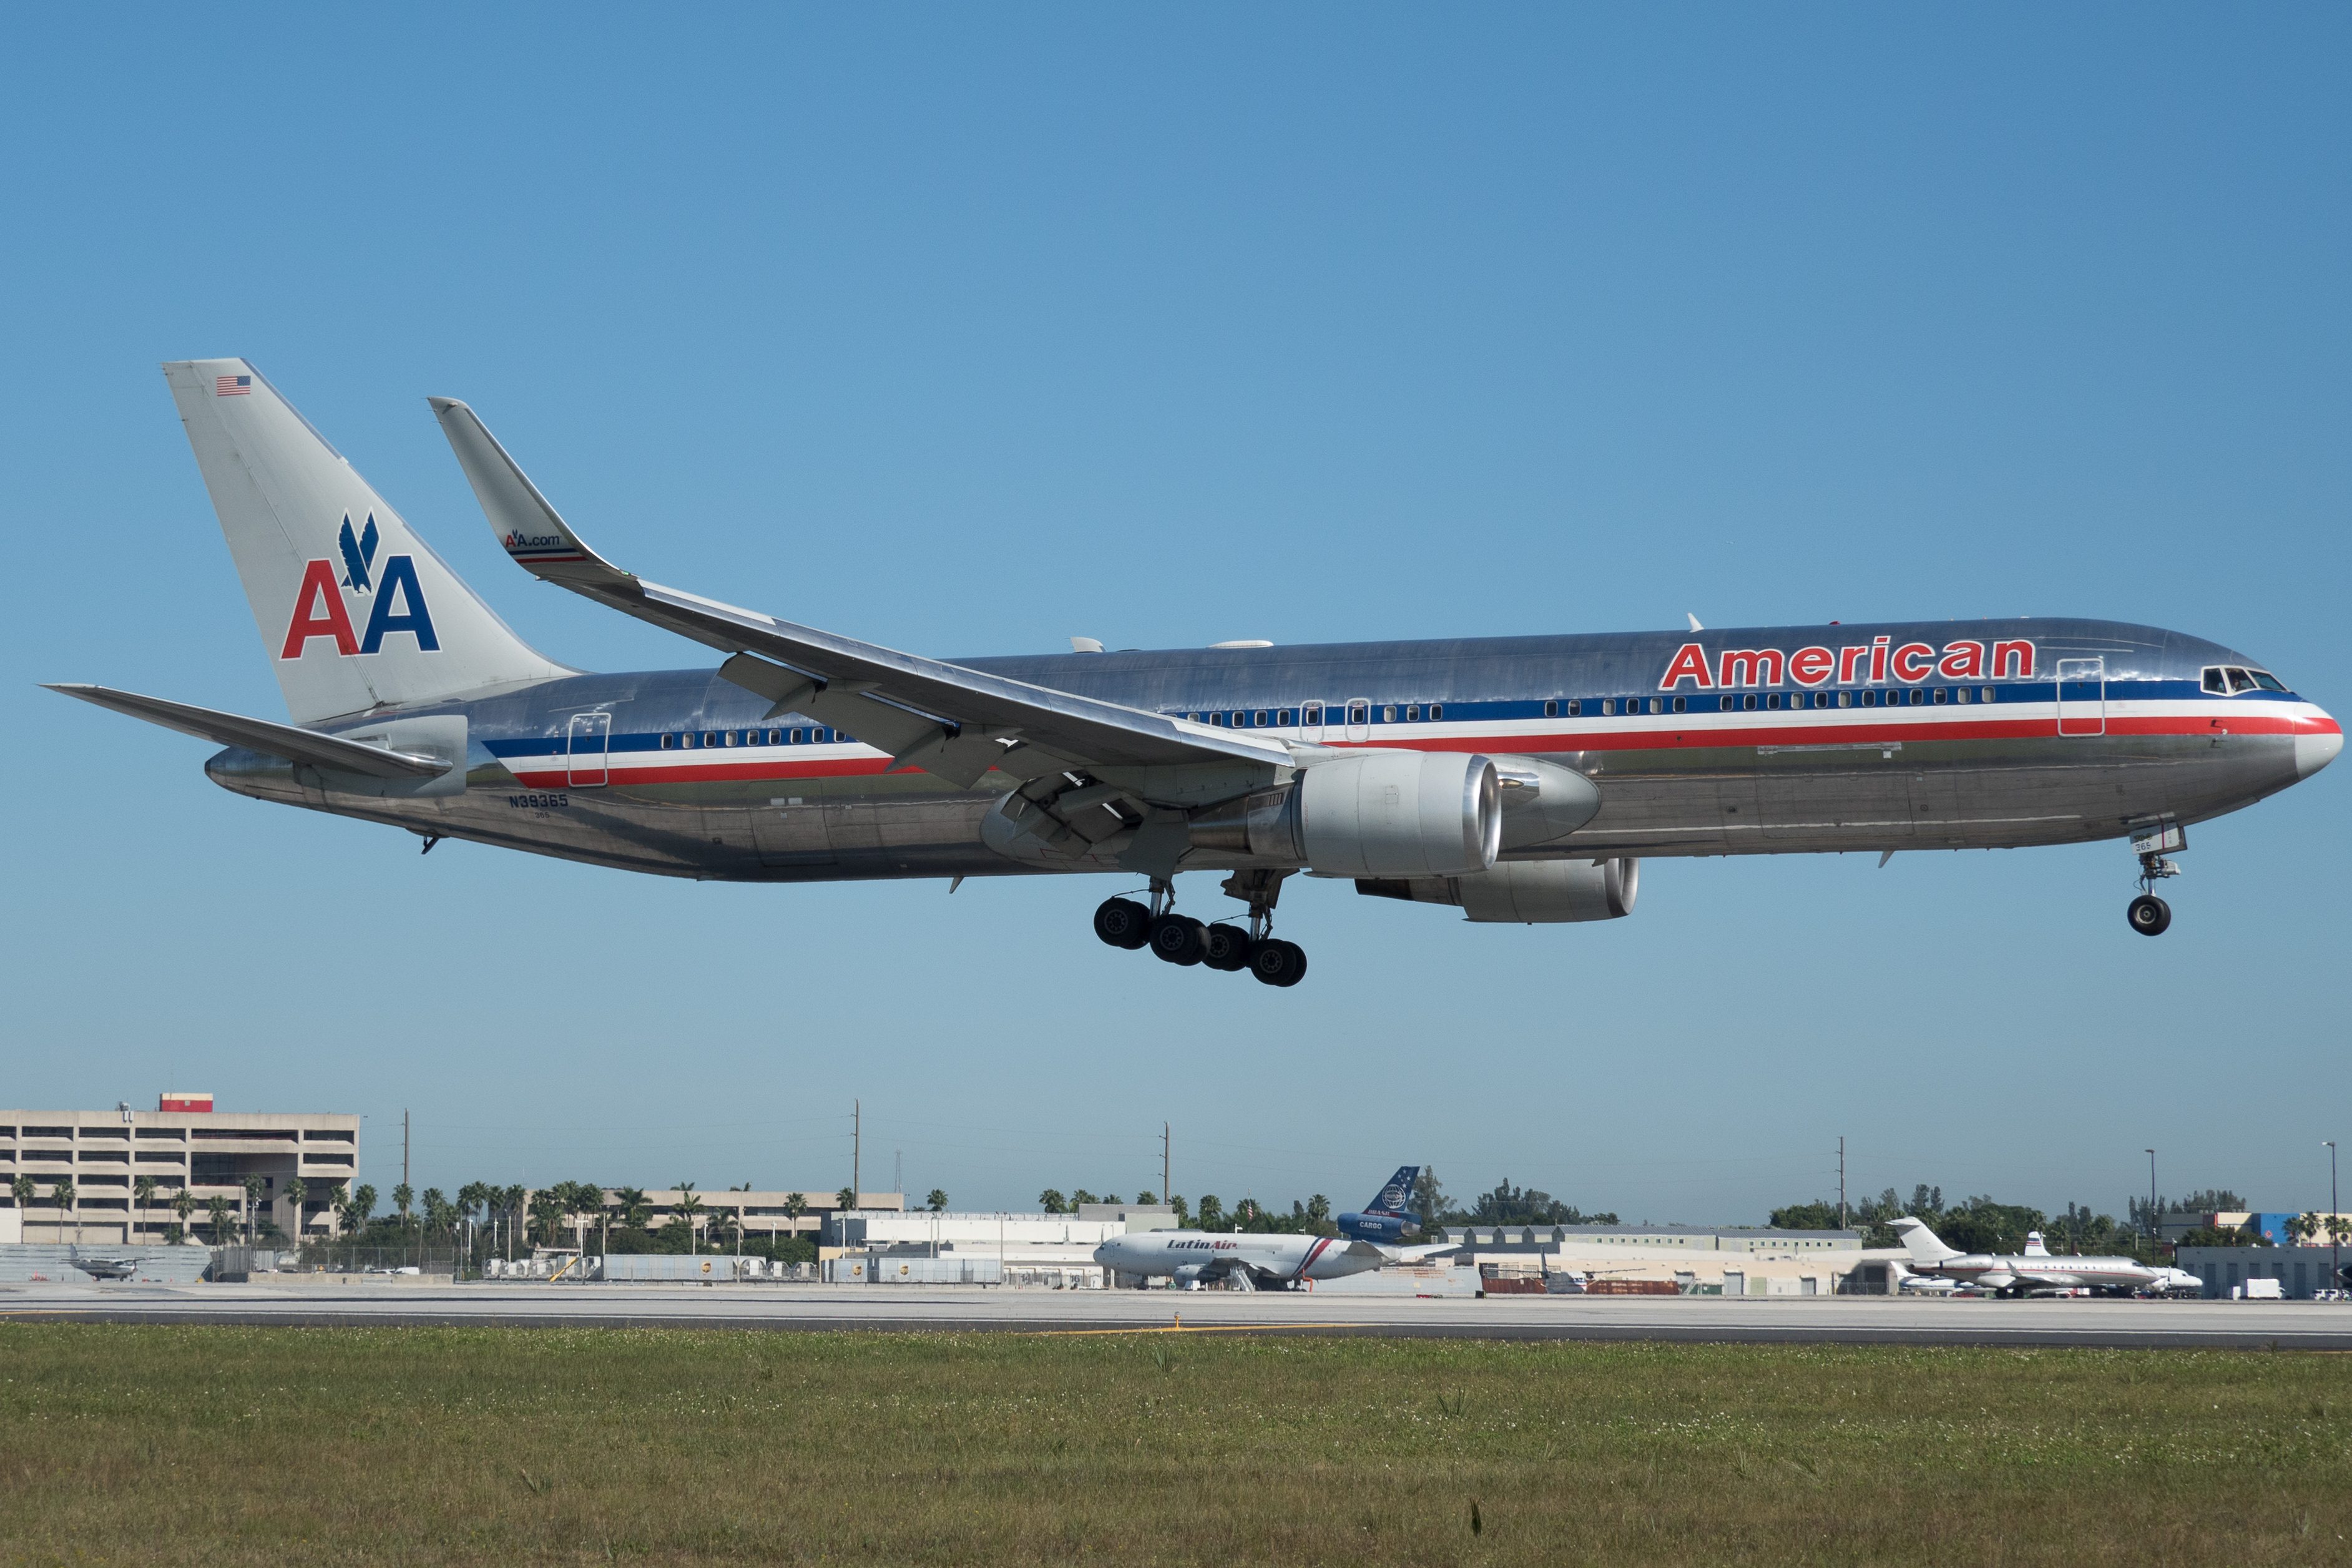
x,y
585,748
1310,722
1360,718
2083,696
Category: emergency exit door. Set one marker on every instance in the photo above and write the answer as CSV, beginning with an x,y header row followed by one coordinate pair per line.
x,y
586,745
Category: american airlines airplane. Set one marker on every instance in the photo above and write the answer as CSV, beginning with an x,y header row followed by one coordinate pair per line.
x,y
1514,778
2036,1267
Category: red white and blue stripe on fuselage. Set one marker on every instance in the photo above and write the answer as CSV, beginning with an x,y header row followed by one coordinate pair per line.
x,y
1980,714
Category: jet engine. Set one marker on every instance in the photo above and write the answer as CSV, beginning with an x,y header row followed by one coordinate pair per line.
x,y
1375,814
1526,892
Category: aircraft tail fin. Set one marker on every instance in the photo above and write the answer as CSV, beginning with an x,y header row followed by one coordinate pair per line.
x,y
1925,1245
1395,1196
356,611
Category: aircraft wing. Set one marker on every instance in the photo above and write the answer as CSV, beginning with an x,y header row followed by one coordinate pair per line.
x,y
942,718
296,745
1415,1253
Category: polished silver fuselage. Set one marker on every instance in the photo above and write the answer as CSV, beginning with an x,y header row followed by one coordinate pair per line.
x,y
683,773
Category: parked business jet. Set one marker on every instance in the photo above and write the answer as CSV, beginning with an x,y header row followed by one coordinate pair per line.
x,y
1517,779
2037,1267
1385,1218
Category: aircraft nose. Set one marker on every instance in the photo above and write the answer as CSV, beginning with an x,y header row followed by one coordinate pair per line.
x,y
2312,752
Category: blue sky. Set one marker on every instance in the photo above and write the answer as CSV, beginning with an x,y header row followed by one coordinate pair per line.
x,y
967,330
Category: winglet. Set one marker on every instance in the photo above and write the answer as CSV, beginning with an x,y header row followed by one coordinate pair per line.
x,y
1694,621
529,529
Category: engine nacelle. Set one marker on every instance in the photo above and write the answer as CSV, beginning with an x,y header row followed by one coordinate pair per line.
x,y
1376,813
1525,892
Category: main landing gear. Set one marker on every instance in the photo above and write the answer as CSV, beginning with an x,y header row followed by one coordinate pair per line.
x,y
1181,940
2148,914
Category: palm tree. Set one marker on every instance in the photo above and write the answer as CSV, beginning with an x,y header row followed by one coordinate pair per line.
x,y
295,1193
253,1185
142,1193
219,1207
183,1203
795,1206
686,1211
1050,1200
629,1207
938,1202
23,1191
61,1197
403,1197
361,1205
511,1201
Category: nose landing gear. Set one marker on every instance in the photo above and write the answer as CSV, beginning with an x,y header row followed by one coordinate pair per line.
x,y
2150,915
1184,940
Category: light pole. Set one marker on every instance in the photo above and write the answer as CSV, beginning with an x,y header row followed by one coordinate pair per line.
x,y
2334,1268
2155,1231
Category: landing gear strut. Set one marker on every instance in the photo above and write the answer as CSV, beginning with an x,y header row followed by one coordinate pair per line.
x,y
1184,940
2148,914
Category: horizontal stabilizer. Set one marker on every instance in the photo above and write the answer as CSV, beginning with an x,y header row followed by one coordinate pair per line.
x,y
262,735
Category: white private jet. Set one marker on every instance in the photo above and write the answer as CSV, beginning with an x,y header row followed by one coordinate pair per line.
x,y
2037,1267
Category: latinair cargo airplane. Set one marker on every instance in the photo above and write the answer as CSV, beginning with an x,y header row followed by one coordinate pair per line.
x,y
2036,1268
1517,779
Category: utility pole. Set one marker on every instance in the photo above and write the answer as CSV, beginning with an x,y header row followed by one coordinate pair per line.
x,y
857,1134
1163,1166
2155,1231
1841,1180
404,1148
2335,1264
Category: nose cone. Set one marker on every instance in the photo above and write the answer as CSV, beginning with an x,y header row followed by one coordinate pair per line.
x,y
2312,752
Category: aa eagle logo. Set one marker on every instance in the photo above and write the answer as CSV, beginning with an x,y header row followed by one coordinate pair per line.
x,y
396,599
359,554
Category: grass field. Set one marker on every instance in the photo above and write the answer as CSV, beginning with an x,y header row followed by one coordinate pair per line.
x,y
298,1445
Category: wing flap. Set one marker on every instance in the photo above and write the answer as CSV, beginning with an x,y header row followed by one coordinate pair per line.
x,y
262,735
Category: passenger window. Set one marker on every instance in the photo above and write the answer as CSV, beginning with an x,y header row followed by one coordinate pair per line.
x,y
1959,694
1551,710
1682,704
1942,695
1771,700
1412,714
1657,704
667,741
1985,694
1918,697
689,739
1260,718
1729,703
1388,715
1436,711
1359,712
726,738
1748,702
1311,715
2215,681
1575,706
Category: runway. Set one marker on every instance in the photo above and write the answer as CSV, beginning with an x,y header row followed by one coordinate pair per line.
x,y
1843,1320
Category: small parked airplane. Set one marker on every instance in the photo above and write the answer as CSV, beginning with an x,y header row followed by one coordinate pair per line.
x,y
2037,1267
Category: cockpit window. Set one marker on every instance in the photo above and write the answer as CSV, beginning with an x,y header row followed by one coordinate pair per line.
x,y
2240,680
2215,681
2266,681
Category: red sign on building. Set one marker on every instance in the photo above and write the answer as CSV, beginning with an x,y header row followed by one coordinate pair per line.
x,y
184,1099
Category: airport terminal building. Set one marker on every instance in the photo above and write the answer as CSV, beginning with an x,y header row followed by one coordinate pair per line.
x,y
184,1146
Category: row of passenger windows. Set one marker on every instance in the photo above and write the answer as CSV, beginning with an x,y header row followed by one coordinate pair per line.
x,y
1311,714
808,737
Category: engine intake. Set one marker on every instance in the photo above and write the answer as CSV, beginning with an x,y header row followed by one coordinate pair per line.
x,y
1525,892
1378,814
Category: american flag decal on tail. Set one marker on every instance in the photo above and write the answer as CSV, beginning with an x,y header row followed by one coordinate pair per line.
x,y
232,386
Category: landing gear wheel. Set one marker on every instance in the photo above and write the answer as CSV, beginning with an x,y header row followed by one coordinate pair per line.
x,y
1225,947
2150,915
1123,922
1177,939
1278,962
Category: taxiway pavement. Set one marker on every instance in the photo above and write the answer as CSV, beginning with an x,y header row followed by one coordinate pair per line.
x,y
1853,1320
